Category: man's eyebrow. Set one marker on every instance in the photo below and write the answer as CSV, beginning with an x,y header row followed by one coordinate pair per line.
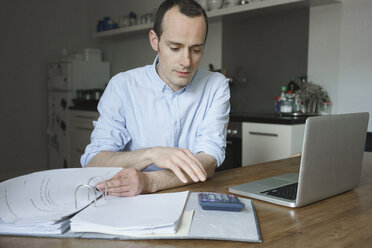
x,y
180,44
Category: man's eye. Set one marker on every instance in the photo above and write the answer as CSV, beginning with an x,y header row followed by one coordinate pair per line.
x,y
196,51
174,48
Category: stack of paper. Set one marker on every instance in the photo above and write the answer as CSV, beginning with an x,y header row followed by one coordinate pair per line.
x,y
43,202
143,214
46,227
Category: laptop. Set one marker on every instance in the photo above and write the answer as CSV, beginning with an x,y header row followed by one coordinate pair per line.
x,y
331,163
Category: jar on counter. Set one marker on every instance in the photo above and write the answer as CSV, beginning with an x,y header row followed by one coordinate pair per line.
x,y
325,108
286,106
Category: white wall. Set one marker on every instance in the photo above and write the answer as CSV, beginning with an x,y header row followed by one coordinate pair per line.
x,y
33,34
340,54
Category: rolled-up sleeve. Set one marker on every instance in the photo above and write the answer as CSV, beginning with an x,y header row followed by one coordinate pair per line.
x,y
110,133
211,134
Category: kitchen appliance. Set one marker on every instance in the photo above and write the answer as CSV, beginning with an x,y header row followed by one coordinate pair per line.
x,y
64,79
233,158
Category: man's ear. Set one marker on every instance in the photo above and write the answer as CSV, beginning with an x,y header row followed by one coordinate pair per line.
x,y
154,41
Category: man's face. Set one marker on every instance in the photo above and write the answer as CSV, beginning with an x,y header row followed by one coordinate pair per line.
x,y
180,47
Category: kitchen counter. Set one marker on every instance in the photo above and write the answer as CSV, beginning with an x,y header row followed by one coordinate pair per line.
x,y
84,108
272,118
236,116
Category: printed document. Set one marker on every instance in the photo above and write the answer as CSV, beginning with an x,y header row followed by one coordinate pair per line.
x,y
44,202
139,215
46,198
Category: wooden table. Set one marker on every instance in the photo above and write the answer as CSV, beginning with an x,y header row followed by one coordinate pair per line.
x,y
341,221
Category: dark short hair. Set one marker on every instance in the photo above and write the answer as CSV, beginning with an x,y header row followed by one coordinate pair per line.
x,y
189,8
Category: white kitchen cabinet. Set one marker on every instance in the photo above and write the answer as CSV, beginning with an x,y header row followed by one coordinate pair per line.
x,y
263,142
81,124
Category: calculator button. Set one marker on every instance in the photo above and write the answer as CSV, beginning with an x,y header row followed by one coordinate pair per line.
x,y
225,198
218,197
204,197
211,197
219,201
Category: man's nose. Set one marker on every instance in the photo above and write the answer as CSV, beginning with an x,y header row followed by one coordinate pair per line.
x,y
186,60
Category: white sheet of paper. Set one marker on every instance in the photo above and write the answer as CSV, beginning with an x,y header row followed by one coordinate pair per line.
x,y
183,229
142,214
35,228
47,196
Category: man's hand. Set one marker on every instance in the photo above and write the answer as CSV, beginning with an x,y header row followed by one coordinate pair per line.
x,y
183,167
180,161
132,182
127,182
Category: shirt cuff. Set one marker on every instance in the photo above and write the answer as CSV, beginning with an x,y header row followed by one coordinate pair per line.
x,y
218,154
86,157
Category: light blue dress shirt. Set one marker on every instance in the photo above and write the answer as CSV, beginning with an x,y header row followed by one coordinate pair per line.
x,y
138,110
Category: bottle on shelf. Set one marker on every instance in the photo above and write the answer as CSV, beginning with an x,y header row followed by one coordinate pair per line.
x,y
290,96
283,96
297,104
286,103
277,104
292,85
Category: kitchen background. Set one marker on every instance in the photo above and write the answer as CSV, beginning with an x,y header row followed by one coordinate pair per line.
x,y
332,44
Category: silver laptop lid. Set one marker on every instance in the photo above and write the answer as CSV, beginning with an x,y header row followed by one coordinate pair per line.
x,y
332,156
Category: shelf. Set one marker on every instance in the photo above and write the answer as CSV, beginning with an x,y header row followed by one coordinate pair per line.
x,y
124,30
219,13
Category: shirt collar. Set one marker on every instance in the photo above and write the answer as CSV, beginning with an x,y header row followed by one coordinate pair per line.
x,y
160,85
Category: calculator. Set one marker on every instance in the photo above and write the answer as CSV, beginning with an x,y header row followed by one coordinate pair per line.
x,y
219,201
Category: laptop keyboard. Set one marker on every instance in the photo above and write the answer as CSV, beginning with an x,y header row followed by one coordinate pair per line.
x,y
288,192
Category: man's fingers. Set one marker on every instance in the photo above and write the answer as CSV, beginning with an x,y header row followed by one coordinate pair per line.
x,y
188,167
196,160
176,170
121,191
112,183
181,162
118,187
127,182
193,163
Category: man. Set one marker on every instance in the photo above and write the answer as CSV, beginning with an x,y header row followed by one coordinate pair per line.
x,y
165,123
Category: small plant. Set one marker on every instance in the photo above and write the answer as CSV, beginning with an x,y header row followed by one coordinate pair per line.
x,y
311,95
